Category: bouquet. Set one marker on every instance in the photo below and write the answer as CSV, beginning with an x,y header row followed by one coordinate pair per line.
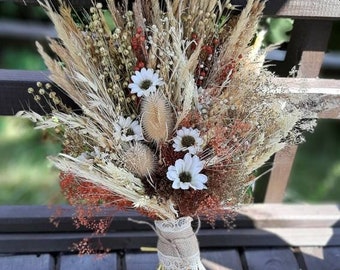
x,y
176,110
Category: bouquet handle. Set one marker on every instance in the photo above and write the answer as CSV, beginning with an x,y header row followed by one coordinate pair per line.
x,y
177,245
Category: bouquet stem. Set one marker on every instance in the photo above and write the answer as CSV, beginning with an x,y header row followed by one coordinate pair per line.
x,y
177,245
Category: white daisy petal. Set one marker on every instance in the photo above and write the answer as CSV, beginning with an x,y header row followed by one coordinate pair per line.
x,y
186,173
145,82
176,185
179,164
184,185
197,165
202,178
128,130
172,173
188,161
187,139
180,133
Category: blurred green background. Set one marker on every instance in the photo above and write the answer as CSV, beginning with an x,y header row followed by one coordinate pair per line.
x,y
26,177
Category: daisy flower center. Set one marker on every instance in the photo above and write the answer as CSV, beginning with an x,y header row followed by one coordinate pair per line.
x,y
188,141
130,132
185,177
145,84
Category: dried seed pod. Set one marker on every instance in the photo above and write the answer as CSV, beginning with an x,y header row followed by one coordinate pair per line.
x,y
157,119
140,160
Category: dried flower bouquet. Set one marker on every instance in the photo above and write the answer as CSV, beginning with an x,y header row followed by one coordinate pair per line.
x,y
176,109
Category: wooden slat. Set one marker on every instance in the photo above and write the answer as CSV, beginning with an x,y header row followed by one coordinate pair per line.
x,y
77,4
306,236
228,259
31,219
16,219
310,85
262,259
54,242
317,258
283,163
275,237
141,261
292,215
306,49
13,91
88,262
14,85
316,9
28,229
285,8
218,238
27,262
23,30
333,113
329,89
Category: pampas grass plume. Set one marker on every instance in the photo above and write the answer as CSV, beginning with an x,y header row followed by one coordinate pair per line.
x,y
157,118
139,159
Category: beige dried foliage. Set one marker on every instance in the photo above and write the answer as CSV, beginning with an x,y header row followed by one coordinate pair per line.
x,y
242,33
181,89
116,14
237,110
114,179
139,14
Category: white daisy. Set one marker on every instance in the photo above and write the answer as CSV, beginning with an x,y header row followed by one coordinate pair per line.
x,y
145,82
188,139
185,173
128,130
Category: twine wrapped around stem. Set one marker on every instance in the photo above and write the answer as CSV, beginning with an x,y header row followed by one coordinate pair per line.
x,y
177,245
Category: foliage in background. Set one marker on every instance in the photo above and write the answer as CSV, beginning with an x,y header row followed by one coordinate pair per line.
x,y
316,170
277,30
24,12
26,176
26,58
16,54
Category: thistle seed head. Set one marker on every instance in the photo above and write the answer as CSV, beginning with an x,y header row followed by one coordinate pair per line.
x,y
157,118
140,160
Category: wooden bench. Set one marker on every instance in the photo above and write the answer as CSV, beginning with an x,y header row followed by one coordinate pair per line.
x,y
266,236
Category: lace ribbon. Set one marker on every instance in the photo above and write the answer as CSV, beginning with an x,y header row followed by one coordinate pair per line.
x,y
177,245
176,263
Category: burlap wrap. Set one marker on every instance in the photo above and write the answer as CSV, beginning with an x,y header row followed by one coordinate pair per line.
x,y
177,245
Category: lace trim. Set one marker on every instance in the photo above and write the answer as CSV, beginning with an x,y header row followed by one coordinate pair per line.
x,y
174,225
175,263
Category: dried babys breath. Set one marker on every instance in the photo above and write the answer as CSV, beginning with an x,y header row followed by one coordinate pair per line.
x,y
157,118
